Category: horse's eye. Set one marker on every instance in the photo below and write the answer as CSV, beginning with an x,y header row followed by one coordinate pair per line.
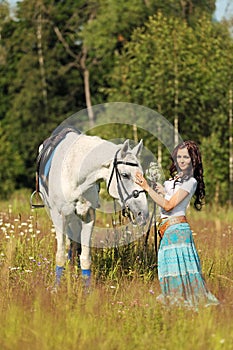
x,y
125,175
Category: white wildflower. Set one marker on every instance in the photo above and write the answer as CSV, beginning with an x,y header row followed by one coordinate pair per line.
x,y
24,224
153,173
14,268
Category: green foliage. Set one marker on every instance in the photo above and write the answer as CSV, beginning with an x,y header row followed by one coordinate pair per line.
x,y
42,92
215,161
166,55
11,165
186,73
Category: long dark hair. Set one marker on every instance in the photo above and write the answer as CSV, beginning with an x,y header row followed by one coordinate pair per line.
x,y
196,171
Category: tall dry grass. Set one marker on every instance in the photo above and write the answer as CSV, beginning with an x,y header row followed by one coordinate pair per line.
x,y
121,311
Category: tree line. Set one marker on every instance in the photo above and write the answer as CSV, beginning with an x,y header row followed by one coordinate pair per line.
x,y
59,57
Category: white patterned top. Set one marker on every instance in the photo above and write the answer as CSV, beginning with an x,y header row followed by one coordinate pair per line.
x,y
171,187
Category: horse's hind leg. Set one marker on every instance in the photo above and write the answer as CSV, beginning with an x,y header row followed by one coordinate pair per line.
x,y
74,252
73,229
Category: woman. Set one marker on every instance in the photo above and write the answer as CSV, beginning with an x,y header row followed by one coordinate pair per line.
x,y
179,269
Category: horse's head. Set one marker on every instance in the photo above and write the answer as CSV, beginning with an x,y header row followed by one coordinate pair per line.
x,y
121,185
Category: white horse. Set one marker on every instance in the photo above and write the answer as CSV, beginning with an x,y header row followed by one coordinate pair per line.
x,y
70,167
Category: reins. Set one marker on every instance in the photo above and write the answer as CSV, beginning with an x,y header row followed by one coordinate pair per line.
x,y
134,194
152,220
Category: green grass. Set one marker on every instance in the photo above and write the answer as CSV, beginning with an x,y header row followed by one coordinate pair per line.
x,y
121,311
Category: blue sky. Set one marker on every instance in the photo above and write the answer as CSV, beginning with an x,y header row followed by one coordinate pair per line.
x,y
224,8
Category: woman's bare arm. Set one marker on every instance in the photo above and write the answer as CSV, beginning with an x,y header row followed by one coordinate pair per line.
x,y
167,205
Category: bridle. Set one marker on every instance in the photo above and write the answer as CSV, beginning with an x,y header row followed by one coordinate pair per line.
x,y
120,184
134,194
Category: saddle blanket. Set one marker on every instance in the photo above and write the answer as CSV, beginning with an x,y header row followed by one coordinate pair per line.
x,y
46,154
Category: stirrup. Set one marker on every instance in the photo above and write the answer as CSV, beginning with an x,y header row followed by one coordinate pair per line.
x,y
34,205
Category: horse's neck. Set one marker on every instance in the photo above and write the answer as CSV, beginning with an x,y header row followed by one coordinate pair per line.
x,y
96,156
104,155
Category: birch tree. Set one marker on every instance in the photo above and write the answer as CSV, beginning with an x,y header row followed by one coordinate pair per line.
x,y
187,73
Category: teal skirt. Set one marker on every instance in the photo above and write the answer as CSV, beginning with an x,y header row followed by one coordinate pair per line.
x,y
179,269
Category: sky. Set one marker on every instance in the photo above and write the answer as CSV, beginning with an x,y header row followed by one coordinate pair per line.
x,y
224,8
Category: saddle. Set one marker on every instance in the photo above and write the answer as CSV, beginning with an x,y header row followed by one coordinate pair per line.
x,y
46,154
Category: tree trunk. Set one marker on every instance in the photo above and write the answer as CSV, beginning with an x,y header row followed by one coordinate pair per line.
x,y
230,149
86,78
41,59
176,97
135,133
216,195
159,143
87,87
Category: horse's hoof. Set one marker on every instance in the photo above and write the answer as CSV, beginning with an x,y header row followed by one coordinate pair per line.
x,y
86,278
54,290
59,271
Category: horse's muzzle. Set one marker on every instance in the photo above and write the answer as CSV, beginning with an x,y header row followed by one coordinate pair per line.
x,y
139,218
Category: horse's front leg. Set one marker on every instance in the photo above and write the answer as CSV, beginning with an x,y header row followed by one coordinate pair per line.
x,y
61,257
85,257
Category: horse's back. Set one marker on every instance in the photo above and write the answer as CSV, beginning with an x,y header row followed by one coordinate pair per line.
x,y
73,160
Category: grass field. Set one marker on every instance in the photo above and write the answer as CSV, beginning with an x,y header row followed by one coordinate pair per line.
x,y
121,311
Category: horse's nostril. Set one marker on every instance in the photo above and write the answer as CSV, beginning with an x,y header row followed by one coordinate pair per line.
x,y
139,213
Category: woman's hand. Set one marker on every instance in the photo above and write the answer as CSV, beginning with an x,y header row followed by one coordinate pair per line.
x,y
159,188
141,181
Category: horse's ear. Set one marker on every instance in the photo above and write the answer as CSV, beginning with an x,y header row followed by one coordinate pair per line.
x,y
125,148
138,149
